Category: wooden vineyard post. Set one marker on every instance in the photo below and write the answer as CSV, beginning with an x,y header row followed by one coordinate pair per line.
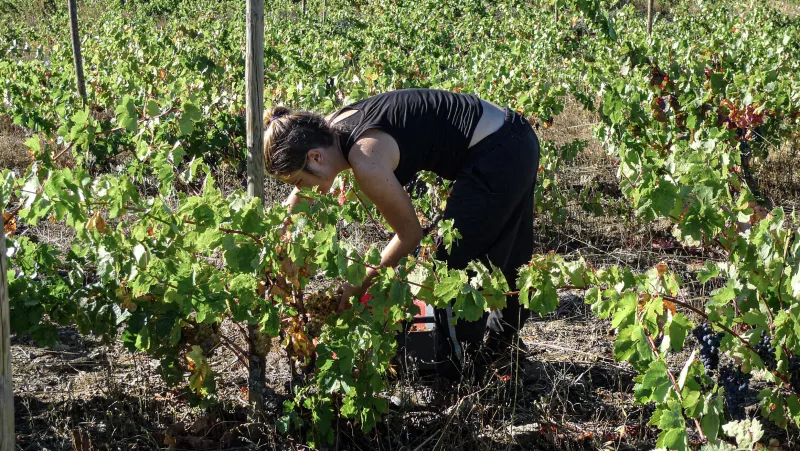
x,y
304,7
324,7
254,81
555,9
650,17
76,49
6,387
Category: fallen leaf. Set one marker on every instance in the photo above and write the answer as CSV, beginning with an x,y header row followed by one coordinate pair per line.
x,y
170,441
200,425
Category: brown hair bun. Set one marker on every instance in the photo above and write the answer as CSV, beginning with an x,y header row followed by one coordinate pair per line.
x,y
274,113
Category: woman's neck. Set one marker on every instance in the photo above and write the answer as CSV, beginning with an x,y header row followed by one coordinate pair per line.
x,y
339,160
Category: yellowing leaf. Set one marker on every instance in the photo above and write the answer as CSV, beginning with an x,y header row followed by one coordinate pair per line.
x,y
9,224
96,222
290,271
301,344
200,369
644,298
662,268
129,305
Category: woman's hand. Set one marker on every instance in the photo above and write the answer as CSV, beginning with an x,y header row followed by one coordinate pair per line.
x,y
346,292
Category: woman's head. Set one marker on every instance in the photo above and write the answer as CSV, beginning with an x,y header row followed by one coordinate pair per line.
x,y
300,148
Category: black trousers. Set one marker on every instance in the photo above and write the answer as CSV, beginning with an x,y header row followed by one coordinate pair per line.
x,y
492,204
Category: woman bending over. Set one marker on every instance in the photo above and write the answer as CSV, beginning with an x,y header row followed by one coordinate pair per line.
x,y
491,154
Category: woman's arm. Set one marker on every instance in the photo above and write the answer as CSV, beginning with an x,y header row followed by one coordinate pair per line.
x,y
293,199
373,159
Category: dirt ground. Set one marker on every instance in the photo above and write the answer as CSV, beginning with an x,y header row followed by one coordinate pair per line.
x,y
13,153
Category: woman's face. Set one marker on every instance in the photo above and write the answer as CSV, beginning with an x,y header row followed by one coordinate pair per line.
x,y
317,173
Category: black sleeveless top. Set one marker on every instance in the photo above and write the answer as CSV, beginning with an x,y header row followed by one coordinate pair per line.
x,y
432,128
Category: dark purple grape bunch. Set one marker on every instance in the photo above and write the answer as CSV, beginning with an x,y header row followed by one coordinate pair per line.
x,y
736,383
794,373
766,351
709,346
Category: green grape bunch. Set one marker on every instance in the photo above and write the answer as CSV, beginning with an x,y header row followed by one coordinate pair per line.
x,y
318,307
207,336
262,344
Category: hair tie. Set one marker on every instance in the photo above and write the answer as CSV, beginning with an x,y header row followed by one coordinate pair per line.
x,y
275,117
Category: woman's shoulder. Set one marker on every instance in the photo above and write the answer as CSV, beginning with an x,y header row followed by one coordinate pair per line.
x,y
375,148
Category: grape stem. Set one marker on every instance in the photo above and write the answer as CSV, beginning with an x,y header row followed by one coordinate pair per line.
x,y
769,310
674,382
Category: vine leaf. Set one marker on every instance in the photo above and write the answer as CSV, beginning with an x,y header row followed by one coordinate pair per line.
x,y
795,283
625,345
140,255
152,108
655,385
143,339
469,304
627,307
190,115
678,328
669,418
711,417
126,114
545,299
422,274
711,271
96,222
754,318
528,279
685,370
450,285
356,273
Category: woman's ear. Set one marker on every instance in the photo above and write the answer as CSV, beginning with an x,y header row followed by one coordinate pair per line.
x,y
315,155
